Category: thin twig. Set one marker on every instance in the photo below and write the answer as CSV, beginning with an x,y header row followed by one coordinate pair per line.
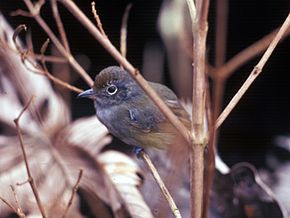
x,y
19,210
29,42
26,55
74,190
20,12
221,32
97,18
226,70
34,10
29,58
17,31
254,74
218,90
50,76
21,215
30,178
161,184
123,38
59,25
70,5
48,58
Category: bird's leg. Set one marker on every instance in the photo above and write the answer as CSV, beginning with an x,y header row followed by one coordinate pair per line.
x,y
137,150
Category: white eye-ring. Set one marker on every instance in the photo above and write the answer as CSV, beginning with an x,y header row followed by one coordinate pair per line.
x,y
111,89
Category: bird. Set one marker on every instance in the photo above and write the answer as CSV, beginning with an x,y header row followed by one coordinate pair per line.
x,y
129,113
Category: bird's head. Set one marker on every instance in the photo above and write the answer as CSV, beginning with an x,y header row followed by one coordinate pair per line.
x,y
112,86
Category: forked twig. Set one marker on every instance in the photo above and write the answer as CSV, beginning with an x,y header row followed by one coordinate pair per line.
x,y
74,190
161,184
30,178
19,210
254,74
21,215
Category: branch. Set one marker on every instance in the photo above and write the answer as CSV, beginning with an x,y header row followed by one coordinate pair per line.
x,y
34,10
50,76
97,18
105,42
218,90
21,215
30,178
74,190
161,184
226,70
123,40
19,210
199,33
254,74
30,57
59,24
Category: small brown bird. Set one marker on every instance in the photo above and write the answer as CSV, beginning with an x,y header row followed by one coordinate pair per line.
x,y
129,114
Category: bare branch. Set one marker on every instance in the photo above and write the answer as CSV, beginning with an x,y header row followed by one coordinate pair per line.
x,y
35,12
17,31
218,90
21,215
254,74
59,24
20,12
123,40
74,190
50,76
199,33
97,18
53,59
226,70
19,210
221,32
161,184
30,178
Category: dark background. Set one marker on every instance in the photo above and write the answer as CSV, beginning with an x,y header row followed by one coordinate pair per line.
x,y
262,114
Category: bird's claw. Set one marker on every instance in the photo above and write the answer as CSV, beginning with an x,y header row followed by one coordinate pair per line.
x,y
138,150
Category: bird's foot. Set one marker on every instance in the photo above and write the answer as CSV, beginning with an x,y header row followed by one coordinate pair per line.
x,y
138,150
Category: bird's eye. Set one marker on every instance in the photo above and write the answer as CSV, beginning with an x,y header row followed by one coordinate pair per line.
x,y
111,89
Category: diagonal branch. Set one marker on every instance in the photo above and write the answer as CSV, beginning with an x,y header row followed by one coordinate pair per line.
x,y
59,24
254,74
226,70
73,193
161,184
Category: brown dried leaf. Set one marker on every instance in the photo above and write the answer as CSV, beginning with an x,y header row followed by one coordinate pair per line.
x,y
123,174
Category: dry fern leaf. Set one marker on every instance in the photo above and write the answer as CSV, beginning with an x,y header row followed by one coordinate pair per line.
x,y
122,173
54,153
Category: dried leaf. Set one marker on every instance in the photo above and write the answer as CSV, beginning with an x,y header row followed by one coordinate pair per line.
x,y
123,174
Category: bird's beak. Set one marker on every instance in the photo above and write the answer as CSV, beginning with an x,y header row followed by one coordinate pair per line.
x,y
87,94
